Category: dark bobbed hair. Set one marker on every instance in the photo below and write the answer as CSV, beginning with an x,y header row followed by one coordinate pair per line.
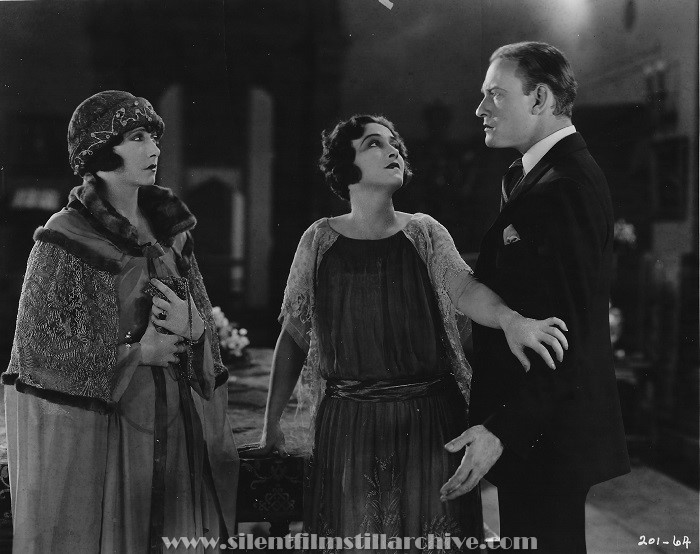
x,y
542,63
338,159
106,159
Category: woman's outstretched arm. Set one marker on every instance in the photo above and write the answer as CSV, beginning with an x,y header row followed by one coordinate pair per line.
x,y
481,304
287,362
484,306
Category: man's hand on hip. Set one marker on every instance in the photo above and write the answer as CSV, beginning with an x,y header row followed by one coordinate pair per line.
x,y
483,449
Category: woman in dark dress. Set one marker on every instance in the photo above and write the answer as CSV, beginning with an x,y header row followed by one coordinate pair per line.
x,y
372,311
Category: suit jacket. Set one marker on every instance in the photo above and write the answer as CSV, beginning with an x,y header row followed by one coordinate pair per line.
x,y
559,427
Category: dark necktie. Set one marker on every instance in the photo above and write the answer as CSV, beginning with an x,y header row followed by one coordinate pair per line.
x,y
511,179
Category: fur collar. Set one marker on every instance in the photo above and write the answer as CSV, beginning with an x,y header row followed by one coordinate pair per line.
x,y
78,249
166,213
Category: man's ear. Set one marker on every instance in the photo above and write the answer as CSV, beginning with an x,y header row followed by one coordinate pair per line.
x,y
543,97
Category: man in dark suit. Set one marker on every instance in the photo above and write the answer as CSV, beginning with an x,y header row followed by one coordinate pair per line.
x,y
544,436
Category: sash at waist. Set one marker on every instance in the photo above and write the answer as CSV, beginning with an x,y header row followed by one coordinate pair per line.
x,y
389,390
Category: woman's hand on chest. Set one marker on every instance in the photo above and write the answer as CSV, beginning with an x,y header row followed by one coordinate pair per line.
x,y
175,315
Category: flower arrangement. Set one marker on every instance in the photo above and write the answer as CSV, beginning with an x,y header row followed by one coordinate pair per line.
x,y
625,234
233,340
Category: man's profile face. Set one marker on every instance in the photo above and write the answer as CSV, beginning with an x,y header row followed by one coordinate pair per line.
x,y
505,110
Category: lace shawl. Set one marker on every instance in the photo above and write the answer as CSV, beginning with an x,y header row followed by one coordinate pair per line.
x,y
446,269
66,340
66,328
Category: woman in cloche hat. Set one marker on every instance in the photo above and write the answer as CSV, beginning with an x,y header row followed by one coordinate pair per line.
x,y
116,423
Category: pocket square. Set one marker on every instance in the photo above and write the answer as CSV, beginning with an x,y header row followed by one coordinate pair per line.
x,y
510,235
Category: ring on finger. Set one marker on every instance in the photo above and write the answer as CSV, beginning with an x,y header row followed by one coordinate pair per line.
x,y
163,314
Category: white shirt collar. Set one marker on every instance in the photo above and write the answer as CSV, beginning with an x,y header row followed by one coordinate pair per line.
x,y
539,149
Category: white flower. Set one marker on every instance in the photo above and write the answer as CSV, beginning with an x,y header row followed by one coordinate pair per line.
x,y
231,338
625,233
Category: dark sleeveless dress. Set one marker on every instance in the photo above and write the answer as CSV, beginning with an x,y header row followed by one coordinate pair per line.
x,y
390,405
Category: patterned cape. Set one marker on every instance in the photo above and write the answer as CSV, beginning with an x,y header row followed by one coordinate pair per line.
x,y
67,347
447,271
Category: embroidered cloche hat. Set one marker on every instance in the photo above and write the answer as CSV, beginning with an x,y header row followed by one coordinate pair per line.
x,y
103,116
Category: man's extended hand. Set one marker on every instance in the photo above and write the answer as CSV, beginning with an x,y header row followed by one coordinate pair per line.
x,y
483,449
